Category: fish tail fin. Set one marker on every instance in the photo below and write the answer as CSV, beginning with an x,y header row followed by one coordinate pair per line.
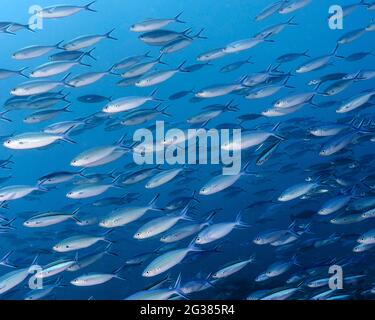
x,y
121,141
210,217
109,35
65,137
194,196
40,187
7,31
153,94
177,18
107,250
291,23
180,67
305,54
5,260
5,118
295,261
252,258
152,203
76,211
117,272
239,223
276,127
186,31
199,35
8,224
285,83
64,98
110,70
58,45
106,234
20,72
64,80
35,260
159,59
334,52
89,54
147,55
81,62
184,213
245,170
275,69
177,288
66,108
88,6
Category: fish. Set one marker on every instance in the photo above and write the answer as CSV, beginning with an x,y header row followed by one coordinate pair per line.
x,y
94,279
35,140
162,178
130,61
317,63
35,51
49,218
158,77
294,5
159,294
222,182
62,11
188,230
355,102
218,231
93,98
54,268
79,242
281,295
168,260
53,68
270,10
235,65
275,29
299,190
159,225
129,103
161,37
5,73
155,24
181,43
91,190
124,216
242,45
87,41
71,55
288,57
37,87
232,269
87,79
45,115
98,156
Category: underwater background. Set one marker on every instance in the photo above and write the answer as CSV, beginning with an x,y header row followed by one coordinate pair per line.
x,y
318,242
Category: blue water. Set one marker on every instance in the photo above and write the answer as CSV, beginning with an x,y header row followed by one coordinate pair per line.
x,y
223,21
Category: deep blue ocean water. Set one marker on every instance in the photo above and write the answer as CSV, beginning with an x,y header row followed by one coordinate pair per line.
x,y
223,21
